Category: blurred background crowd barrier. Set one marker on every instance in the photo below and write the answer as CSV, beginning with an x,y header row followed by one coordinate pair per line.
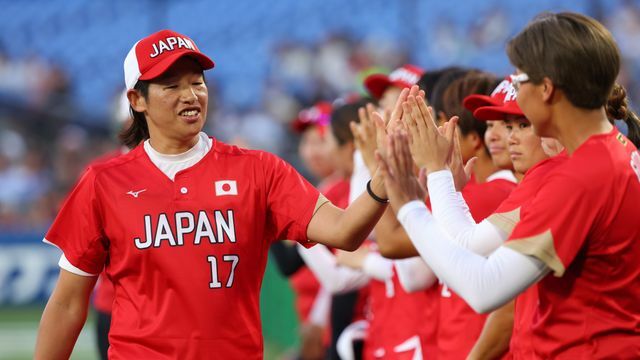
x,y
61,74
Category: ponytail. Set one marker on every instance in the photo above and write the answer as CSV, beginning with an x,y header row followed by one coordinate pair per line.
x,y
138,131
618,109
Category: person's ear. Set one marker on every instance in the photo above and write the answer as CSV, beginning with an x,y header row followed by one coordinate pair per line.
x,y
474,139
137,101
547,89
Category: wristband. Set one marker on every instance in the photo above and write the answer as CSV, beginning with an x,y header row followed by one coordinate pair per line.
x,y
374,196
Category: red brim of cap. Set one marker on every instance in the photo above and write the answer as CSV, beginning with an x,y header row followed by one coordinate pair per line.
x,y
376,84
497,112
473,102
159,68
299,126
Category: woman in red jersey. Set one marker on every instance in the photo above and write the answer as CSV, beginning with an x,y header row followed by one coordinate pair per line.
x,y
182,224
437,313
578,237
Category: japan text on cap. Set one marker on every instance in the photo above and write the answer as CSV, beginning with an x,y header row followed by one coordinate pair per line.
x,y
508,105
153,55
474,101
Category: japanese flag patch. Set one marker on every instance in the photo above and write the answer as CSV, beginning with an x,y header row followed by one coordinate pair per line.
x,y
226,187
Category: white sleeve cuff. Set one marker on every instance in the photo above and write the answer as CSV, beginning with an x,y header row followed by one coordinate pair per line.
x,y
65,264
414,274
378,267
440,174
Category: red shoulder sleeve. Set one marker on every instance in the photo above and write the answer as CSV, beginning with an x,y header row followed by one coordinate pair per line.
x,y
77,230
291,200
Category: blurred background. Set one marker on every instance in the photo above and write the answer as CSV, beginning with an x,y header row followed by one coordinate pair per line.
x,y
61,74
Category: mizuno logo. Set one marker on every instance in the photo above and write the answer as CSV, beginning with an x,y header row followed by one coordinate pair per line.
x,y
135,193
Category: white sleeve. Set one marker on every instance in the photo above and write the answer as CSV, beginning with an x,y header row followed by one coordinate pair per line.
x,y
451,211
484,283
333,277
378,267
65,264
319,314
414,274
359,177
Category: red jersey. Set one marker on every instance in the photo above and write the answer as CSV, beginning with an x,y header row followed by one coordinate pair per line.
x,y
583,224
459,326
430,316
506,217
394,331
186,256
103,292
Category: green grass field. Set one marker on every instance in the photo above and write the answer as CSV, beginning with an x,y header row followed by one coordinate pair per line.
x,y
19,325
18,328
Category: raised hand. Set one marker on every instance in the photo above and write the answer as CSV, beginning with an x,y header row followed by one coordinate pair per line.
x,y
430,149
393,119
398,171
461,172
364,135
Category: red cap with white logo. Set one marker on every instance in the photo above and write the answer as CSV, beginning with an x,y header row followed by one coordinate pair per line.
x,y
153,55
317,115
508,105
472,102
402,77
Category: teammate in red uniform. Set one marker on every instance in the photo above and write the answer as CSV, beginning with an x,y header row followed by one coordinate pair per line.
x,y
577,238
392,331
443,314
183,223
496,135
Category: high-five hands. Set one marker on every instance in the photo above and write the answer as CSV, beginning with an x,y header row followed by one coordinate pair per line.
x,y
398,171
429,147
364,135
370,134
461,171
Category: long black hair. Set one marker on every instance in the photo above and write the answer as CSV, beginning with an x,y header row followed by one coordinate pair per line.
x,y
138,131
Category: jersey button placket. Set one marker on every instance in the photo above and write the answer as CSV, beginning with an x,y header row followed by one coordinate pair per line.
x,y
182,189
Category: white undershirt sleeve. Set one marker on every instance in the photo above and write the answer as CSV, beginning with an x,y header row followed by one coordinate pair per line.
x,y
319,314
359,177
484,283
378,267
451,211
333,277
414,274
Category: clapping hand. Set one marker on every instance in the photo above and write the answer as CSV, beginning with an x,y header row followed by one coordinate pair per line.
x,y
397,168
429,147
364,135
461,172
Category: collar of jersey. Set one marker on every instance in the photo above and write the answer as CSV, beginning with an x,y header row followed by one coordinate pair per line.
x,y
200,149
